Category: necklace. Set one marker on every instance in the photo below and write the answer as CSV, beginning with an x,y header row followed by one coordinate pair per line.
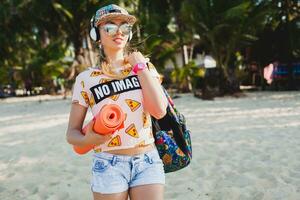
x,y
116,73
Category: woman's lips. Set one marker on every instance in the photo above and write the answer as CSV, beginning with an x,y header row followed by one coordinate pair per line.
x,y
118,40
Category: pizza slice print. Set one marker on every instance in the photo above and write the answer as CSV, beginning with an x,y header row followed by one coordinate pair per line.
x,y
141,144
146,120
85,97
167,159
131,130
115,97
82,84
97,150
92,101
133,105
125,72
116,141
104,80
179,152
96,73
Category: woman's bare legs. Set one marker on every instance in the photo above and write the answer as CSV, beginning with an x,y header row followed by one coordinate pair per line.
x,y
147,192
117,196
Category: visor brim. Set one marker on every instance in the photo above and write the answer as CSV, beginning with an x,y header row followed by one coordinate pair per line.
x,y
111,16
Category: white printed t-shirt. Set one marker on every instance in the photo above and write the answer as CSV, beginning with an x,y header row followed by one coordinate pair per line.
x,y
94,89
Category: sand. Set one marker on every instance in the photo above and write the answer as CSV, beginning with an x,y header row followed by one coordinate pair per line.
x,y
243,148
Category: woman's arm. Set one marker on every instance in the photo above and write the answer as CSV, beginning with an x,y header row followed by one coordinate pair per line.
x,y
155,100
74,135
76,120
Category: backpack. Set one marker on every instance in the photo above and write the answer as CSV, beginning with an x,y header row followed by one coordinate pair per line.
x,y
172,138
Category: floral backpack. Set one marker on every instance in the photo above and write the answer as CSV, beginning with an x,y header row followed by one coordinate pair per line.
x,y
172,138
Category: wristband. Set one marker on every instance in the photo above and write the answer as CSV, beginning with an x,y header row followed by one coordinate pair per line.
x,y
139,67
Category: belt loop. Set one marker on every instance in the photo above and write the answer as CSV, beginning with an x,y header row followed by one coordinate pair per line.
x,y
114,161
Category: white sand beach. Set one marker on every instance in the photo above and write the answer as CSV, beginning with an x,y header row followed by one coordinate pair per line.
x,y
243,149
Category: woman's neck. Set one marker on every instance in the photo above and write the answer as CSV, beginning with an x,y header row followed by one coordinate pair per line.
x,y
115,58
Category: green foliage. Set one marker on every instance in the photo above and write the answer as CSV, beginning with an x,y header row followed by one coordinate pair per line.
x,y
159,42
181,75
36,35
224,26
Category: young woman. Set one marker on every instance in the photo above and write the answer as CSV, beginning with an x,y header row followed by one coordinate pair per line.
x,y
126,162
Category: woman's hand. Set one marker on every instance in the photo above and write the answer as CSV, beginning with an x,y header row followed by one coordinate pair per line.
x,y
136,57
93,138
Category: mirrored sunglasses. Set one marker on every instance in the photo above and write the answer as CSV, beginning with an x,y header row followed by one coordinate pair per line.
x,y
112,29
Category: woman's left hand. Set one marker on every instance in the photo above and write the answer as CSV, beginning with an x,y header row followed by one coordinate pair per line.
x,y
136,57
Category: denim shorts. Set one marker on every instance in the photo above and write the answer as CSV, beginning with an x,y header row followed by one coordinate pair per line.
x,y
117,173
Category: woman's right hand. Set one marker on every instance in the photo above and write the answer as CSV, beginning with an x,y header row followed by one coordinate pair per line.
x,y
92,138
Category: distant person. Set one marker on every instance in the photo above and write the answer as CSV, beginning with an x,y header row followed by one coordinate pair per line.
x,y
28,87
269,72
126,162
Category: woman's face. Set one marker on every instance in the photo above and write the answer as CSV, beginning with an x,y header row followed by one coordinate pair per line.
x,y
114,34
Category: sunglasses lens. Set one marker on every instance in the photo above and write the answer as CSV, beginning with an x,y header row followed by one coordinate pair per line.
x,y
125,28
111,29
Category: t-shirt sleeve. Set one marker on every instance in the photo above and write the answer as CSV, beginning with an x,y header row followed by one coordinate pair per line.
x,y
80,95
153,70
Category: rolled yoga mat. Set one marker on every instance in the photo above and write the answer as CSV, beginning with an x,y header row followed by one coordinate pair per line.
x,y
108,120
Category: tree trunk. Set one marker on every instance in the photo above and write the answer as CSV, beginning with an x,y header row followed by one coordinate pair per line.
x,y
229,83
184,54
79,58
45,38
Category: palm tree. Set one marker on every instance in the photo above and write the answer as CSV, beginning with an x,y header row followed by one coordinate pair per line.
x,y
162,32
74,20
225,27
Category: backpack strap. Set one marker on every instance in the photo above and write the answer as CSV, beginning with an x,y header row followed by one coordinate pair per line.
x,y
171,105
